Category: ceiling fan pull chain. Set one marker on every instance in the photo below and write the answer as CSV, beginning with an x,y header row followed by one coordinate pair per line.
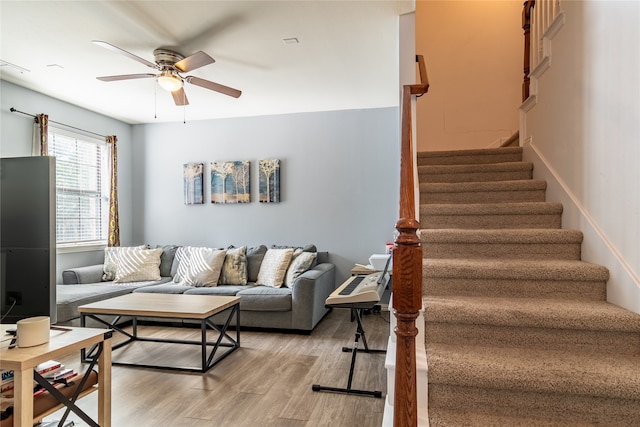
x,y
184,107
155,99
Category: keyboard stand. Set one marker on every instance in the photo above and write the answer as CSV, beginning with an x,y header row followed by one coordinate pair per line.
x,y
357,313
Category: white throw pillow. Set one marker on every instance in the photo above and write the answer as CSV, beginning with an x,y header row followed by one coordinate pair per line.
x,y
199,266
111,260
299,265
137,265
274,267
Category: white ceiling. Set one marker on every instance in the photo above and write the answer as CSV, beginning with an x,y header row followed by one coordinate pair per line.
x,y
346,57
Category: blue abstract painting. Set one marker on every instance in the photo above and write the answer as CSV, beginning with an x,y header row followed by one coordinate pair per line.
x,y
230,182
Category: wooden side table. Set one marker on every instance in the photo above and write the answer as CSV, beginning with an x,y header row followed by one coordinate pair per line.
x,y
63,341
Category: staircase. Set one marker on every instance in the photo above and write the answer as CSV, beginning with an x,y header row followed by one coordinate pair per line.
x,y
517,328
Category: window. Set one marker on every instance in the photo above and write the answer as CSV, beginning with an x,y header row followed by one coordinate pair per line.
x,y
82,188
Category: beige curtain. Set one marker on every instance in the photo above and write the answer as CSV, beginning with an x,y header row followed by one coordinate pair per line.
x,y
114,220
40,145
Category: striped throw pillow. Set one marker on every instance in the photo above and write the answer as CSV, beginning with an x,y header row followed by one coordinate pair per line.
x,y
138,265
199,266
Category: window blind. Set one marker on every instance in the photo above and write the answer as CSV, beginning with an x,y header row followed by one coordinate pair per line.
x,y
82,187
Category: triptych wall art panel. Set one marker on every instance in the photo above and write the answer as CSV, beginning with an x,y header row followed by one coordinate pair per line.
x,y
269,172
231,182
193,180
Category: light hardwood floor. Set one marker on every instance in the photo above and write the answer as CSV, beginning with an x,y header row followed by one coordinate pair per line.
x,y
267,382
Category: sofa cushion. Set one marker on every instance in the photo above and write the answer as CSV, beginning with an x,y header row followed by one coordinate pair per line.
x,y
110,264
234,269
137,265
86,274
307,248
323,257
254,260
226,290
265,298
165,288
166,259
199,266
274,267
69,297
300,263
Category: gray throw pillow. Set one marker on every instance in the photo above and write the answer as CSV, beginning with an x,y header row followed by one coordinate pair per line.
x,y
166,259
254,260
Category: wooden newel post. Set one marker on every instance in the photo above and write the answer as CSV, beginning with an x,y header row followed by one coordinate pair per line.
x,y
407,301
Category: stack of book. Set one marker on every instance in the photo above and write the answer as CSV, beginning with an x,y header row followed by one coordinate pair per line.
x,y
53,371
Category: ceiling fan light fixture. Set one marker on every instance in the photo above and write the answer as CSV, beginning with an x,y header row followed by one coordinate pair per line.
x,y
169,82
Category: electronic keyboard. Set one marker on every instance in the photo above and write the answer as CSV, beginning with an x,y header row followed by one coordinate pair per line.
x,y
357,289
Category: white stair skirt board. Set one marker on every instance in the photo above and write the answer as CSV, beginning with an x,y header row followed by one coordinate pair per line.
x,y
421,373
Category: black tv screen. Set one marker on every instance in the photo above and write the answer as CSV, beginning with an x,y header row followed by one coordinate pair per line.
x,y
27,238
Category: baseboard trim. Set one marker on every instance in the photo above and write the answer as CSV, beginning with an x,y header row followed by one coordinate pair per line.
x,y
623,288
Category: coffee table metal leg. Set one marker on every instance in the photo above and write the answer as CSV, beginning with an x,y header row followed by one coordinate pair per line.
x,y
203,332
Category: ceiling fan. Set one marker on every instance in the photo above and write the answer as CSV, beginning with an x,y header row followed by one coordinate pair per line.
x,y
171,64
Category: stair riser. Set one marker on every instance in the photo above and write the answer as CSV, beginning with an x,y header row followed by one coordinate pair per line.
x,y
474,177
560,289
567,251
564,409
469,160
516,196
468,222
606,342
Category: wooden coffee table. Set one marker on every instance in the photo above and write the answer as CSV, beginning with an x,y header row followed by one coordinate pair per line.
x,y
171,306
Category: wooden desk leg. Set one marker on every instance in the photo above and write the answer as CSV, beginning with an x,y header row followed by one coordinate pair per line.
x,y
104,385
23,398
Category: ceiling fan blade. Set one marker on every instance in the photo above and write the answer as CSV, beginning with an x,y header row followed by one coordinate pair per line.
x,y
180,97
213,86
125,77
197,60
125,53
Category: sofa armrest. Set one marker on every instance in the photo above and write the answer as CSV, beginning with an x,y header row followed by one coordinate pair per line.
x,y
310,291
80,275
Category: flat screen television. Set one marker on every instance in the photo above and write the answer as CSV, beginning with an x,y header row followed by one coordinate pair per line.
x,y
27,238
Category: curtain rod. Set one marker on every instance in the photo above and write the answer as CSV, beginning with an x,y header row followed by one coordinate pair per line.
x,y
13,110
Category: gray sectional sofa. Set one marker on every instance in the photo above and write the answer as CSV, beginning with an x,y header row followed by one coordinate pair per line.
x,y
298,307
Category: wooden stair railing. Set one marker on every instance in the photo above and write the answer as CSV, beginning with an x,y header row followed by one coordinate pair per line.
x,y
526,26
407,268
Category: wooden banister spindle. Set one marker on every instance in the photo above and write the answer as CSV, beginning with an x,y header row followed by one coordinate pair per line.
x,y
526,26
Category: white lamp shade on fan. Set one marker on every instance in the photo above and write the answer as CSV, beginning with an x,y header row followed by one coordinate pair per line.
x,y
169,82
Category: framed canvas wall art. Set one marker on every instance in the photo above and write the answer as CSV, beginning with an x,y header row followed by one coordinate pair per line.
x,y
230,182
269,180
193,180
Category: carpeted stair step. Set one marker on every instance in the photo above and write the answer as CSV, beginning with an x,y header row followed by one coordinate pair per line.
x,y
547,324
476,172
465,157
466,418
491,215
569,387
509,243
483,192
575,280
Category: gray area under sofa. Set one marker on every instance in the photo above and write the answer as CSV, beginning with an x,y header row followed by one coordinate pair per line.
x,y
300,307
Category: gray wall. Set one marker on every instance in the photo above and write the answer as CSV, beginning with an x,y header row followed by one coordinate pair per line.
x,y
339,182
339,177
